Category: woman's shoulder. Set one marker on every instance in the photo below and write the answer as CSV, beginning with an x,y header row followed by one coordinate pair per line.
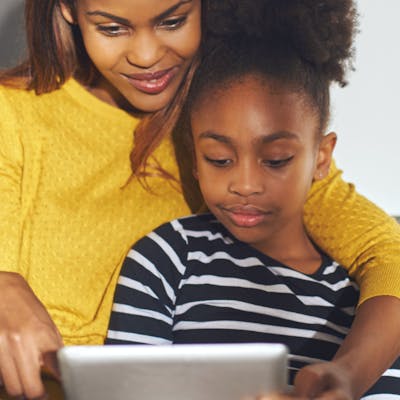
x,y
10,96
20,101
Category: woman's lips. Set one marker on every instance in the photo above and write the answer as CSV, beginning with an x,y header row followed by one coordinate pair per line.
x,y
152,83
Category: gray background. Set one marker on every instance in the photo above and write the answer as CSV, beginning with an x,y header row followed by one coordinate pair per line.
x,y
12,36
364,114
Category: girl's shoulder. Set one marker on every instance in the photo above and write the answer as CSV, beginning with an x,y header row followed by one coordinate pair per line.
x,y
192,230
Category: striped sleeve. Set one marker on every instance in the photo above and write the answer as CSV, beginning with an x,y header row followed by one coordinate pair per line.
x,y
144,300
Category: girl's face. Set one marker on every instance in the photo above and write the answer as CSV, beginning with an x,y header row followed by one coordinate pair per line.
x,y
257,152
141,47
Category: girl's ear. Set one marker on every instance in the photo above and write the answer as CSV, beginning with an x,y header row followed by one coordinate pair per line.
x,y
324,158
67,13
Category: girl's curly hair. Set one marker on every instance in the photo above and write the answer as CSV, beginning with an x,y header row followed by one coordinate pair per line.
x,y
301,45
305,45
320,31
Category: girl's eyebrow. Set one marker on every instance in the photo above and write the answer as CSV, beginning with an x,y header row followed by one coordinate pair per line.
x,y
216,136
279,135
124,21
264,139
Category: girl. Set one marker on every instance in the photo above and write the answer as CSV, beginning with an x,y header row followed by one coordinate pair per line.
x,y
248,271
96,72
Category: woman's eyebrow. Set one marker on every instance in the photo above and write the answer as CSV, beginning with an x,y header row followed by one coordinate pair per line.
x,y
124,21
172,9
119,20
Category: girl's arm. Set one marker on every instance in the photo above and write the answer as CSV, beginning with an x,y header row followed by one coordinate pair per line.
x,y
356,233
144,299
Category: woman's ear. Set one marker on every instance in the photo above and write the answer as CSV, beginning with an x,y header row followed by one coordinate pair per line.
x,y
67,13
324,158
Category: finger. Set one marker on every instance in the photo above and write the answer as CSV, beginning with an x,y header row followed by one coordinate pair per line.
x,y
9,374
334,395
50,365
279,396
27,360
308,383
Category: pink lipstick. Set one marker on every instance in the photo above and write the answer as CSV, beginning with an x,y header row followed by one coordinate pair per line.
x,y
151,83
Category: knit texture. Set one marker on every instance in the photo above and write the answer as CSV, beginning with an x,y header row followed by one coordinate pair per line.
x,y
356,233
68,216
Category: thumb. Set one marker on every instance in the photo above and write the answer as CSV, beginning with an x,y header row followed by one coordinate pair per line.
x,y
309,382
50,365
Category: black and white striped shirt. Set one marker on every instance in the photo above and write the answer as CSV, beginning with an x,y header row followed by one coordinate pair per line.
x,y
190,281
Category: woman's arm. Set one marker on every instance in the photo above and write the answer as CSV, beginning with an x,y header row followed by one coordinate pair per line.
x,y
27,333
28,338
365,354
356,233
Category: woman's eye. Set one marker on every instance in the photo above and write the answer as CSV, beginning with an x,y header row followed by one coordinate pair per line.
x,y
173,23
218,162
111,30
278,163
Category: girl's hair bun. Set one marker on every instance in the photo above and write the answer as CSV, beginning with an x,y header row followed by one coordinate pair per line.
x,y
320,31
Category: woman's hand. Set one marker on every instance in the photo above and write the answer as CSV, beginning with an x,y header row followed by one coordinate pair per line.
x,y
322,381
29,338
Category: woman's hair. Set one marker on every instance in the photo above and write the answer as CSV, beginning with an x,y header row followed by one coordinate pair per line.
x,y
55,50
302,45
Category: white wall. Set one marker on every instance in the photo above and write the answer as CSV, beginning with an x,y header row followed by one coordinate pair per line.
x,y
364,113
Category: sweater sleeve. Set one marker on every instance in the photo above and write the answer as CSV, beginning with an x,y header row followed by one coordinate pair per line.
x,y
10,188
356,233
144,300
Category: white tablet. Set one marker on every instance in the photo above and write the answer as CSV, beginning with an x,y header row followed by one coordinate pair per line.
x,y
172,372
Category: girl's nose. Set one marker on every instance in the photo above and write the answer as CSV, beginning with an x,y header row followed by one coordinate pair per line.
x,y
246,181
145,49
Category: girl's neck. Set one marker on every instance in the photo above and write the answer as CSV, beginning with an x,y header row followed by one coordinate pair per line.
x,y
292,247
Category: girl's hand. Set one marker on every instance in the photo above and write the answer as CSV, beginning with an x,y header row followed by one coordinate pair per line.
x,y
29,339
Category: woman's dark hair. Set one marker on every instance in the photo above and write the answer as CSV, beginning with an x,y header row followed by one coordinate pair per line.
x,y
56,52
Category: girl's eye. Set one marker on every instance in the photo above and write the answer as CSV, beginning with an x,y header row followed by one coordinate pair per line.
x,y
111,30
278,163
218,162
173,23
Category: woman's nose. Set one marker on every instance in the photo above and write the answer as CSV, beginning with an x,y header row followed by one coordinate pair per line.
x,y
145,49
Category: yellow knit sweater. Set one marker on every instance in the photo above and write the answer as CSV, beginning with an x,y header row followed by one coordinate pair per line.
x,y
68,218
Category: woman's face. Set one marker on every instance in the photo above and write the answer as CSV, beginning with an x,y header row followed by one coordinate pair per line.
x,y
142,48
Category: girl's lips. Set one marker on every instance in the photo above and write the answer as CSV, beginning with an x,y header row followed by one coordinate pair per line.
x,y
246,217
152,83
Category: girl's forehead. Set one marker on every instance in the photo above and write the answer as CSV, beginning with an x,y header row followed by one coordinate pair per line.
x,y
255,107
